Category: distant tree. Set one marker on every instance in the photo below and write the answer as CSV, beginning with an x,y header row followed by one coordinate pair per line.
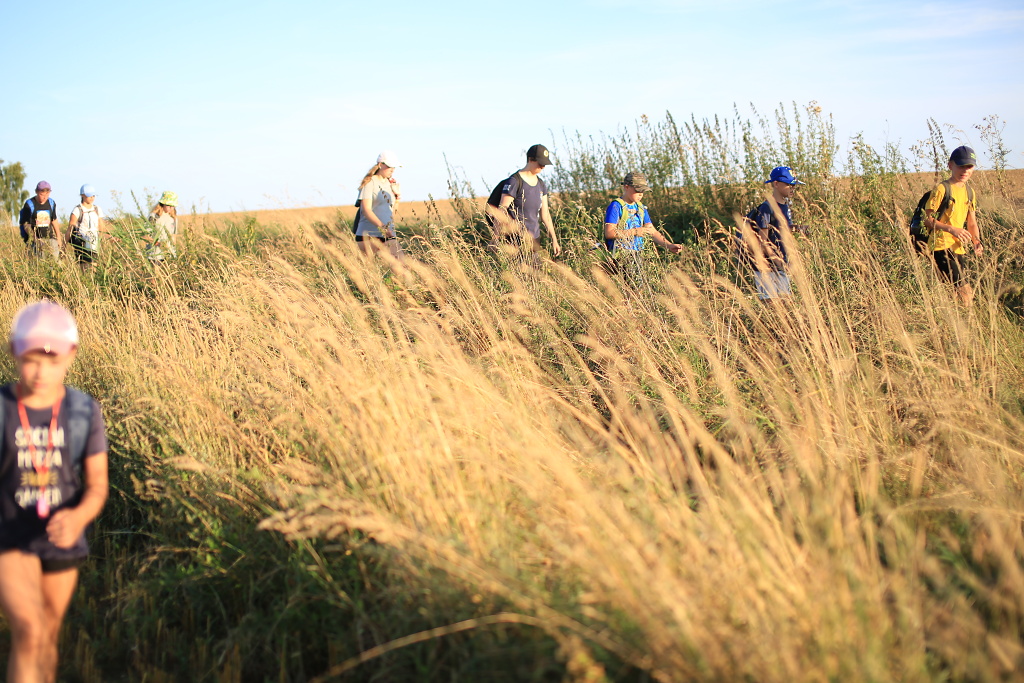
x,y
12,194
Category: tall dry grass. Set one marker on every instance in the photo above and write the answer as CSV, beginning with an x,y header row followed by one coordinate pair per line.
x,y
470,470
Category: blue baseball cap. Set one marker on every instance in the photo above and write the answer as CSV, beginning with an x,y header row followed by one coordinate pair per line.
x,y
87,191
964,156
784,175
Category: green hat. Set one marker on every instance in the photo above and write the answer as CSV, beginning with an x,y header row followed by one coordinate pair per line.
x,y
638,181
169,198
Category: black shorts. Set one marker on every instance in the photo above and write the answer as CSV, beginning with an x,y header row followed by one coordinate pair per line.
x,y
366,238
53,566
62,561
952,267
81,253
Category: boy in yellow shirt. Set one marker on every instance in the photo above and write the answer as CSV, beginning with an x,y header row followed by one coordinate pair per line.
x,y
949,238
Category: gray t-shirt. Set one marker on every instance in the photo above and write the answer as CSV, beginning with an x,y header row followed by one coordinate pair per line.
x,y
379,196
526,202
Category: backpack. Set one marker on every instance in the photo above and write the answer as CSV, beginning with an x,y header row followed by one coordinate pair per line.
x,y
494,199
919,232
30,206
355,219
623,217
77,237
78,409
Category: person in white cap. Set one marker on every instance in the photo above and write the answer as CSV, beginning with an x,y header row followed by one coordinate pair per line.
x,y
53,484
378,196
84,228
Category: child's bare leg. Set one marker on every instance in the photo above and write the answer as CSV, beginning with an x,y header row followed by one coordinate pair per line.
x,y
58,587
21,598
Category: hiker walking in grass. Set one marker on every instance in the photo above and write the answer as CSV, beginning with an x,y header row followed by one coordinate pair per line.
x,y
627,227
951,205
163,231
40,229
378,196
53,484
518,206
84,228
765,251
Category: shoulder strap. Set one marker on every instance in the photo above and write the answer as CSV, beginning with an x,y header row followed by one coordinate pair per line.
x,y
947,198
518,181
79,411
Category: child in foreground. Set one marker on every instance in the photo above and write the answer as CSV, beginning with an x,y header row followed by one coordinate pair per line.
x,y
53,484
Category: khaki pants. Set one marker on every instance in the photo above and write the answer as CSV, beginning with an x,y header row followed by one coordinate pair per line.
x,y
43,247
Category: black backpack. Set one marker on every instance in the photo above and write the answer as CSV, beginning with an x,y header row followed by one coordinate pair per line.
x,y
495,197
919,232
355,221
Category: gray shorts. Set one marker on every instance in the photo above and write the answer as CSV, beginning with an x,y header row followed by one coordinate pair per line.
x,y
44,247
772,285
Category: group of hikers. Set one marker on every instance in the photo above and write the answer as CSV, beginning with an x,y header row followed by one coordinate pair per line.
x,y
944,226
53,457
39,225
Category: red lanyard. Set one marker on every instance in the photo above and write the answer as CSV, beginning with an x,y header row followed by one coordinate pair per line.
x,y
42,468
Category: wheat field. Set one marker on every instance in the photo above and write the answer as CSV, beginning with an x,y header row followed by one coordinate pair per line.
x,y
328,467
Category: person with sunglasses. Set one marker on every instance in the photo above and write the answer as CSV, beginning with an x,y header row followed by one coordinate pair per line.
x,y
764,252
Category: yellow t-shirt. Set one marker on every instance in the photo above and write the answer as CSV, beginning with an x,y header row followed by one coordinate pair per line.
x,y
955,215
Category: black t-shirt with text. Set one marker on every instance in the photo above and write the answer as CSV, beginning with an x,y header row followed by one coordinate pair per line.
x,y
40,217
20,524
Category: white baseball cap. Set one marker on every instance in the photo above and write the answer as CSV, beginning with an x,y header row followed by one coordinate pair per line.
x,y
388,158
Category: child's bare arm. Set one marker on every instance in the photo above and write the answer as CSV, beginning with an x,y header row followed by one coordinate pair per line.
x,y
67,525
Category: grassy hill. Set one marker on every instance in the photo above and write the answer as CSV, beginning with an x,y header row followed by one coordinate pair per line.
x,y
466,469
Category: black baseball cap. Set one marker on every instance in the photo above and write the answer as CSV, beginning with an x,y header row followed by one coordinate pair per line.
x,y
540,154
964,156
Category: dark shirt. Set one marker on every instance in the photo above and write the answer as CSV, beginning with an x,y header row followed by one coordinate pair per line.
x,y
20,525
766,220
35,212
526,202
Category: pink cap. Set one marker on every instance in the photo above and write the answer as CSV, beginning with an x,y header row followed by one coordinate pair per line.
x,y
43,326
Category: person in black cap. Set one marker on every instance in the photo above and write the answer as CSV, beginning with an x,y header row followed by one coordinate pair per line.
x,y
517,211
946,221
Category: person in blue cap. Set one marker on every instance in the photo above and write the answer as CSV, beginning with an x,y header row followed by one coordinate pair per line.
x,y
767,256
953,224
84,228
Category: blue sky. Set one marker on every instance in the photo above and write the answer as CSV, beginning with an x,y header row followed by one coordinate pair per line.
x,y
247,105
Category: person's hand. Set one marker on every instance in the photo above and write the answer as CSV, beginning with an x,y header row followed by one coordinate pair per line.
x,y
674,248
801,229
556,248
963,235
978,248
64,528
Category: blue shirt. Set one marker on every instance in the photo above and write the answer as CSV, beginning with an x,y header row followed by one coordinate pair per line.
x,y
633,221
